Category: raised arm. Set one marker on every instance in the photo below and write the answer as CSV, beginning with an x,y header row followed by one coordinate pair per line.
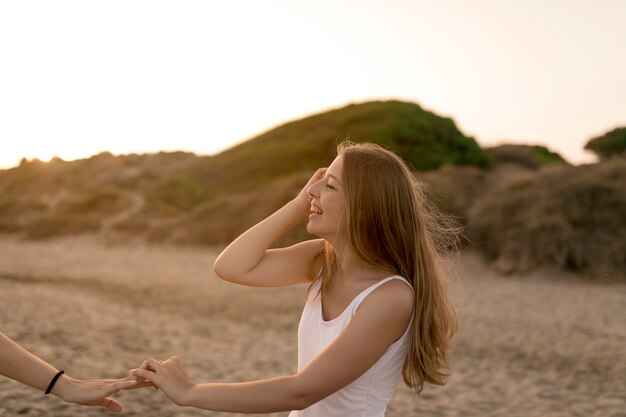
x,y
381,319
249,261
19,364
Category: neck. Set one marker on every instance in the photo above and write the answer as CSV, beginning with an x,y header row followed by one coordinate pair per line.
x,y
350,268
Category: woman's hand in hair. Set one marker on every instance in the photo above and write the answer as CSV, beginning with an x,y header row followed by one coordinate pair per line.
x,y
169,376
303,198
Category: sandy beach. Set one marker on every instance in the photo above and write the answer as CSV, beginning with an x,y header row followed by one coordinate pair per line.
x,y
544,345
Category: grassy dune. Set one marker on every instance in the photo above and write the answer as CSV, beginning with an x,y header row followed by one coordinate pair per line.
x,y
522,205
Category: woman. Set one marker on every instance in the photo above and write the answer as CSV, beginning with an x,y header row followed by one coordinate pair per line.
x,y
377,307
19,364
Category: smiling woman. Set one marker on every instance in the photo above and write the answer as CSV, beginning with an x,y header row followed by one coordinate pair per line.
x,y
377,307
327,202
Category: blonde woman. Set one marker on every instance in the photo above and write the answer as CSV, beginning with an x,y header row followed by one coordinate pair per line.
x,y
377,306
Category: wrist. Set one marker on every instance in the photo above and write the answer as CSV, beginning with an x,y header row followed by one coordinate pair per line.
x,y
300,208
189,396
63,387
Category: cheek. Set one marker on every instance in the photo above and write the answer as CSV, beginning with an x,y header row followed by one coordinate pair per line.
x,y
338,208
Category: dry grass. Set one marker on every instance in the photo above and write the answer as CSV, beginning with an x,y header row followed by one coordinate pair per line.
x,y
573,218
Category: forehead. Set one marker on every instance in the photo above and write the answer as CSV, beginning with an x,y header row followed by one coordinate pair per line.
x,y
336,168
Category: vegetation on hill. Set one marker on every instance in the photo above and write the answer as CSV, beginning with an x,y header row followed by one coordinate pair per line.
x,y
455,189
424,139
530,156
568,217
523,205
610,144
59,197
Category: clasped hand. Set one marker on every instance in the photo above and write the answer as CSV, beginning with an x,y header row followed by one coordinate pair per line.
x,y
169,376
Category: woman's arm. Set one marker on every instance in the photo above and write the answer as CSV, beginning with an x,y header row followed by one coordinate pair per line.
x,y
19,364
381,319
249,261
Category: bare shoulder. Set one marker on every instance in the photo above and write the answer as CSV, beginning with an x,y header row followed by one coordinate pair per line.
x,y
381,319
393,293
393,300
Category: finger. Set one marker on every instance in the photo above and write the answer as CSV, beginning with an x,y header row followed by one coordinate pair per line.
x,y
143,384
149,375
154,364
112,405
145,364
319,173
118,386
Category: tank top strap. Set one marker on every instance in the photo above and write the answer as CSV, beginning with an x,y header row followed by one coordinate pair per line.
x,y
359,298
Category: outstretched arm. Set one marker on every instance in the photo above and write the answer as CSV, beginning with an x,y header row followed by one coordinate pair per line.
x,y
249,261
381,319
19,364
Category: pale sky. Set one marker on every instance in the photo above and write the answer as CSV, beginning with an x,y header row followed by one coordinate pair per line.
x,y
81,77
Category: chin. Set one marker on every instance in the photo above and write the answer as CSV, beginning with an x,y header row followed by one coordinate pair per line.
x,y
311,230
315,230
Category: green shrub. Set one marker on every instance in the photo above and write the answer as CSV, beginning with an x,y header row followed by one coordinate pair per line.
x,y
610,144
424,139
99,200
224,218
181,191
530,156
78,214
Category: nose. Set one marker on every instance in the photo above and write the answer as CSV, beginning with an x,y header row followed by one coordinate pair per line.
x,y
313,190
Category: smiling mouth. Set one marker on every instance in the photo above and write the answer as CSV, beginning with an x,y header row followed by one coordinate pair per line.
x,y
315,210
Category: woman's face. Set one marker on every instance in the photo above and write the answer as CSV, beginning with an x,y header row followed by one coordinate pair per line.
x,y
328,205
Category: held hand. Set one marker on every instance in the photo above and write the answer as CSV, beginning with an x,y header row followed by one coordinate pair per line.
x,y
141,382
170,376
303,197
96,392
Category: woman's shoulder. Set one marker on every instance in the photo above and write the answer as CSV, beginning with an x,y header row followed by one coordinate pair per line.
x,y
393,292
388,307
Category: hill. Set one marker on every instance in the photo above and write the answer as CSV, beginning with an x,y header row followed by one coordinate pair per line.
x,y
214,194
184,198
509,197
424,139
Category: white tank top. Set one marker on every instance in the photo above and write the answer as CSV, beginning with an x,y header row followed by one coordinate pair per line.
x,y
368,395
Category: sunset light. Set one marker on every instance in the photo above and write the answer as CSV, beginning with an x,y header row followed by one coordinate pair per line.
x,y
81,77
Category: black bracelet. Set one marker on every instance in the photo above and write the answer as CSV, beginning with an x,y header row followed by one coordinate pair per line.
x,y
54,380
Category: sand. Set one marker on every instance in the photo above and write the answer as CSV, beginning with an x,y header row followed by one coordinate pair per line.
x,y
546,344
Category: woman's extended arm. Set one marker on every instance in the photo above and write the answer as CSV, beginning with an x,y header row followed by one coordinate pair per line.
x,y
381,319
249,261
19,364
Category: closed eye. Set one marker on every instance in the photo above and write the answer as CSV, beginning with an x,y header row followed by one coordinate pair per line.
x,y
329,186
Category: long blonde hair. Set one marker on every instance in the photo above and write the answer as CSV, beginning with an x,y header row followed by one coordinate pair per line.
x,y
391,226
